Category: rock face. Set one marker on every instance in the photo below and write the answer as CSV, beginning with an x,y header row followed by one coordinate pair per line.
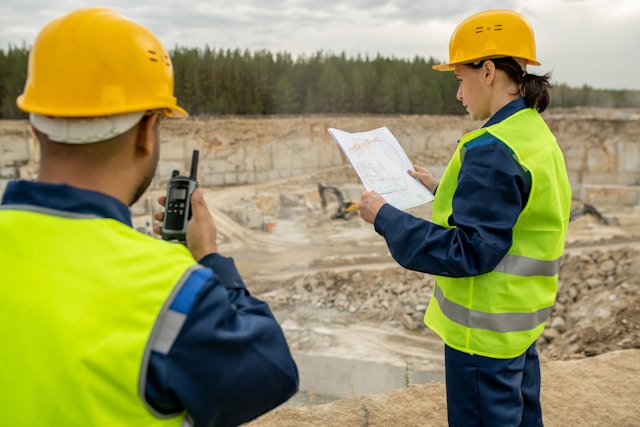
x,y
601,148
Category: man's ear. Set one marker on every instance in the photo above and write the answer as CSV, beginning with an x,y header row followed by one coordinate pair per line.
x,y
145,139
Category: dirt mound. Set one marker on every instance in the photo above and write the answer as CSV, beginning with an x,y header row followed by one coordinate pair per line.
x,y
597,391
598,305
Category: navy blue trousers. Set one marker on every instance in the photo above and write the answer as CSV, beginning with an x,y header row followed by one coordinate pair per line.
x,y
483,391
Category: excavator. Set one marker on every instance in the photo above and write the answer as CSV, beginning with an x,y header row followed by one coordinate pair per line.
x,y
587,209
346,208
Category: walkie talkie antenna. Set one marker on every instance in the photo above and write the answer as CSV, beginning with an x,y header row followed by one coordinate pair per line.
x,y
194,165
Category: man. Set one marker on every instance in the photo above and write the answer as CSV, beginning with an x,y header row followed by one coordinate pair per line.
x,y
103,325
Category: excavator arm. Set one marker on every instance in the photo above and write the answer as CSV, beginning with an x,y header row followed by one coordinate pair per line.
x,y
346,208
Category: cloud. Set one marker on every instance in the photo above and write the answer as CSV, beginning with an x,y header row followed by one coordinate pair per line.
x,y
581,41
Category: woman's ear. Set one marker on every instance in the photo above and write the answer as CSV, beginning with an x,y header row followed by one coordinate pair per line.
x,y
489,71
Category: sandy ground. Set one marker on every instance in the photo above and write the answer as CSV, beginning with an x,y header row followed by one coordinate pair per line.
x,y
601,391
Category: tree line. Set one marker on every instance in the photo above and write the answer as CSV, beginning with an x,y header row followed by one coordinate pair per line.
x,y
242,82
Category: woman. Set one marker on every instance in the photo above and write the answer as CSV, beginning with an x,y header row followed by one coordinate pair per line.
x,y
499,222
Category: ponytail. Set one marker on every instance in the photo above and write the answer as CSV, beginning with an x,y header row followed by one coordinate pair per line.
x,y
535,90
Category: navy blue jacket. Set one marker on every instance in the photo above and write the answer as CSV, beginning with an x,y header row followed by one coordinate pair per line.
x,y
492,191
230,362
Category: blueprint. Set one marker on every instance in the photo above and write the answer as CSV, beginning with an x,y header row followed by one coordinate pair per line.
x,y
382,165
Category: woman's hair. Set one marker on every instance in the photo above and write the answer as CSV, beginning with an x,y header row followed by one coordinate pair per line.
x,y
534,88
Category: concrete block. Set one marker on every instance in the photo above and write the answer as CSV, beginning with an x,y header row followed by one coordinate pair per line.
x,y
249,217
211,180
609,195
165,168
629,158
172,150
230,178
340,377
598,178
9,172
598,160
273,174
15,151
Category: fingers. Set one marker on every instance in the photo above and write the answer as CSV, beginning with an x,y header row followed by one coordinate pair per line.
x,y
414,174
201,229
370,204
425,177
159,215
419,172
198,204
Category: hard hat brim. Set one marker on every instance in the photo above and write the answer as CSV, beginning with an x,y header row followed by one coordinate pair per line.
x,y
451,66
177,112
443,67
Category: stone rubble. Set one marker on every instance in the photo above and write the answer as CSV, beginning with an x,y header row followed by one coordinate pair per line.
x,y
597,308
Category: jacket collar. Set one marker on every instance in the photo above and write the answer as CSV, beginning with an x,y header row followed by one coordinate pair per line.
x,y
506,111
62,197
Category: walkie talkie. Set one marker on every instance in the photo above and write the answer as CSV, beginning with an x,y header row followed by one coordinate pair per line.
x,y
178,205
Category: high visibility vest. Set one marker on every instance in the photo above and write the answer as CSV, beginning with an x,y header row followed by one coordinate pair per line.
x,y
79,302
501,313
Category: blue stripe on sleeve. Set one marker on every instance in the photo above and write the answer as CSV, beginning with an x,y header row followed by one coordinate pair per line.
x,y
190,289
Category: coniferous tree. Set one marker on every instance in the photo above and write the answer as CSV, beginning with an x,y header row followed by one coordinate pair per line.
x,y
284,99
13,74
331,92
219,82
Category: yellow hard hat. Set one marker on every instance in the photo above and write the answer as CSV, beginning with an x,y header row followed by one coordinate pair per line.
x,y
93,62
491,34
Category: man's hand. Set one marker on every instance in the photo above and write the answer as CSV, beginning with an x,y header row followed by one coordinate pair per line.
x,y
201,229
425,177
370,204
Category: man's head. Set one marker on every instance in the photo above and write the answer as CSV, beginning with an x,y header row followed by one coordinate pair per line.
x,y
96,78
94,62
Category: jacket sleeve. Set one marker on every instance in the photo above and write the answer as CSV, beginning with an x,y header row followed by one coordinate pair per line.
x,y
491,192
230,361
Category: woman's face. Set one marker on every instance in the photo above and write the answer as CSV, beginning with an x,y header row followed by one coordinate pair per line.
x,y
473,91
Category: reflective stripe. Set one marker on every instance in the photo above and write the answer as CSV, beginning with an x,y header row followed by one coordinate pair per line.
x,y
523,266
48,211
497,322
171,319
168,325
168,330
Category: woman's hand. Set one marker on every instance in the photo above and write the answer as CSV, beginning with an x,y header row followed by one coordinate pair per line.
x,y
425,177
370,204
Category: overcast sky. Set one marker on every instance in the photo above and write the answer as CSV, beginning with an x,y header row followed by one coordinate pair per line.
x,y
592,42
